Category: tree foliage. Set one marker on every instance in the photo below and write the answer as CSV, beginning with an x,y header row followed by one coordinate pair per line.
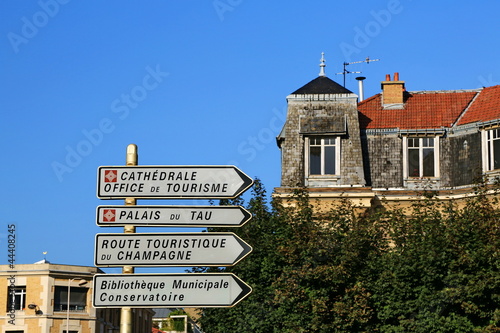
x,y
435,269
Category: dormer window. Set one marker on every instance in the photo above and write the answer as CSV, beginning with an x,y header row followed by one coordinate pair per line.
x,y
491,144
421,157
323,155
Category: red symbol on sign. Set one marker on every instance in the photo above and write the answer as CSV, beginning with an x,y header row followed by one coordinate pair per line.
x,y
109,215
110,176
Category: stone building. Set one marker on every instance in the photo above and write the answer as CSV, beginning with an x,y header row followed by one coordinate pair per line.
x,y
35,300
391,146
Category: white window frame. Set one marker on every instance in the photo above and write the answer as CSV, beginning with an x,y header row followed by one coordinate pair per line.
x,y
405,156
17,297
323,145
488,137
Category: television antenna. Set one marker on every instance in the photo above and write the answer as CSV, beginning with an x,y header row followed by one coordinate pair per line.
x,y
345,71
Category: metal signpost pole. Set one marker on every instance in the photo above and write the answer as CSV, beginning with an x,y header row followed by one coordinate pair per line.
x,y
82,283
67,305
126,312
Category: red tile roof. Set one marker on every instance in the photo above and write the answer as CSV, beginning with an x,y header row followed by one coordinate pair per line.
x,y
421,110
485,107
155,330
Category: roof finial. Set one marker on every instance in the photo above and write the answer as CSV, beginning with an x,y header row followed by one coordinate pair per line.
x,y
322,65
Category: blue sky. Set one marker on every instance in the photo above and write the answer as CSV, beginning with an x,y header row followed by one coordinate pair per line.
x,y
192,83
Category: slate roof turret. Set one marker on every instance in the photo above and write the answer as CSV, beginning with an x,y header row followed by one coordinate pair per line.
x,y
322,85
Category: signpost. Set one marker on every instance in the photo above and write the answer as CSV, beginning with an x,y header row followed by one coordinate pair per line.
x,y
168,290
170,249
171,182
170,216
130,249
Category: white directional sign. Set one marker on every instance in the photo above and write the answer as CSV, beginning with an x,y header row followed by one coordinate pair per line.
x,y
170,249
171,182
168,290
184,216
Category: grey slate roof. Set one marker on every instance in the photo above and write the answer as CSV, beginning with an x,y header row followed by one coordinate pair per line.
x,y
162,312
322,85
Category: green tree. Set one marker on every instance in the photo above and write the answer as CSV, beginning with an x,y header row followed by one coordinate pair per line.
x,y
321,288
259,269
441,272
432,269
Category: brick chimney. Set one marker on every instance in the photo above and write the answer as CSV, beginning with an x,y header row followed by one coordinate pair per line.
x,y
392,91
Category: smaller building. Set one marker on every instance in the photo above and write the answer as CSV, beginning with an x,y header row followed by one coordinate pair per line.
x,y
54,298
162,320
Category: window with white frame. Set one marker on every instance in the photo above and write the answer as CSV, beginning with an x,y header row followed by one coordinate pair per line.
x,y
491,138
421,157
16,298
323,155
